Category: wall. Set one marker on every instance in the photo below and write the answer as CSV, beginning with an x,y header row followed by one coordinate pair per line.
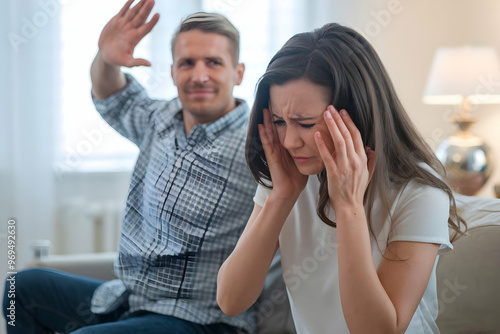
x,y
406,34
81,198
414,36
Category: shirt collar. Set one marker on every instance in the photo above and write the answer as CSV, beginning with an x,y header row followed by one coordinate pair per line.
x,y
235,116
173,118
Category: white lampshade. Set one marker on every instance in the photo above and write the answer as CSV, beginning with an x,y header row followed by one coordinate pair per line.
x,y
463,72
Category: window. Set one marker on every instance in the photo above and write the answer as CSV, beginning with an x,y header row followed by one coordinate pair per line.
x,y
88,143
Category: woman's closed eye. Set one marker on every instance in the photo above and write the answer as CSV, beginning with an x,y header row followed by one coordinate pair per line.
x,y
280,122
307,126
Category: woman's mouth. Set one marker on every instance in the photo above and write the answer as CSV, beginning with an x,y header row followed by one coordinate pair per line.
x,y
300,160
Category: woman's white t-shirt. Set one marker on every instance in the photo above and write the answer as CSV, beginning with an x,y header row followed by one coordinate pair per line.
x,y
309,255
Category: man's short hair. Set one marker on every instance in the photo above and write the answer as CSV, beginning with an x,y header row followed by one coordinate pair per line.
x,y
211,23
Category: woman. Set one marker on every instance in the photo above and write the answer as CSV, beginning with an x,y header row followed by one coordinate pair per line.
x,y
348,192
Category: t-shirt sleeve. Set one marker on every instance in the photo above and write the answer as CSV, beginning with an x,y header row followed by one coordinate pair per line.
x,y
261,195
421,215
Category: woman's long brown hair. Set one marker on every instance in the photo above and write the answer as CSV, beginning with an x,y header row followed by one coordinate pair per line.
x,y
339,58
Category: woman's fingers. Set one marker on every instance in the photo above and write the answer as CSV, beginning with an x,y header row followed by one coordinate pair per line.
x,y
353,131
268,126
263,129
339,142
349,133
326,155
371,157
339,117
273,131
263,138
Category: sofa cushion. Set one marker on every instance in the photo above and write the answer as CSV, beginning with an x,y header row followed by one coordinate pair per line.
x,y
468,284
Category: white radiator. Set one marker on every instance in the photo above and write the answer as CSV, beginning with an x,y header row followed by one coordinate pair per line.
x,y
86,226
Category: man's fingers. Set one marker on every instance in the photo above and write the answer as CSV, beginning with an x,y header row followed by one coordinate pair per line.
x,y
146,28
138,62
143,14
125,8
130,14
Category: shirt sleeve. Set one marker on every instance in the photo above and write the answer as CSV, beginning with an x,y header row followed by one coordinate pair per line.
x,y
421,215
261,195
129,111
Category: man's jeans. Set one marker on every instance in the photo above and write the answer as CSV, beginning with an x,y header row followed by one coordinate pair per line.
x,y
48,301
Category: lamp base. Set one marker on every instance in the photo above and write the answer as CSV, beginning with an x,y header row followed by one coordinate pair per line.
x,y
467,160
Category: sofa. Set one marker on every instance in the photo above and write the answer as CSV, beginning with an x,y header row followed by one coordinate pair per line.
x,y
273,310
468,277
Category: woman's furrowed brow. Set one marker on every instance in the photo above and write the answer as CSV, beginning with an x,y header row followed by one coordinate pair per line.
x,y
301,118
297,118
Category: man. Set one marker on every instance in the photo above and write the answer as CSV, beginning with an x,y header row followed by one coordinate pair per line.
x,y
189,198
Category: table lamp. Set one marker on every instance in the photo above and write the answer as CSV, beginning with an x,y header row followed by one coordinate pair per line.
x,y
465,77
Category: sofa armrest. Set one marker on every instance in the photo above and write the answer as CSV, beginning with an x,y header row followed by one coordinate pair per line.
x,y
95,265
467,283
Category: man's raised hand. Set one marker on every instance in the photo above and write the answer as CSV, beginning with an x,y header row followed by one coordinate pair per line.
x,y
124,31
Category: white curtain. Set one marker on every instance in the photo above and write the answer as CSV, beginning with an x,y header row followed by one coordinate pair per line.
x,y
29,123
30,86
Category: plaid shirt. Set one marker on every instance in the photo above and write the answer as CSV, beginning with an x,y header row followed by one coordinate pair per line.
x,y
189,200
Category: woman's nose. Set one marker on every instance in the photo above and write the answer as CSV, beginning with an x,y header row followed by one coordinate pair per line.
x,y
292,138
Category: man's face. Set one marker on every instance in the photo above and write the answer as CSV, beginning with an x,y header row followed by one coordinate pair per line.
x,y
205,76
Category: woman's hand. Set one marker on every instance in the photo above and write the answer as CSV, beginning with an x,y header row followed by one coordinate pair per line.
x,y
288,182
124,31
350,167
